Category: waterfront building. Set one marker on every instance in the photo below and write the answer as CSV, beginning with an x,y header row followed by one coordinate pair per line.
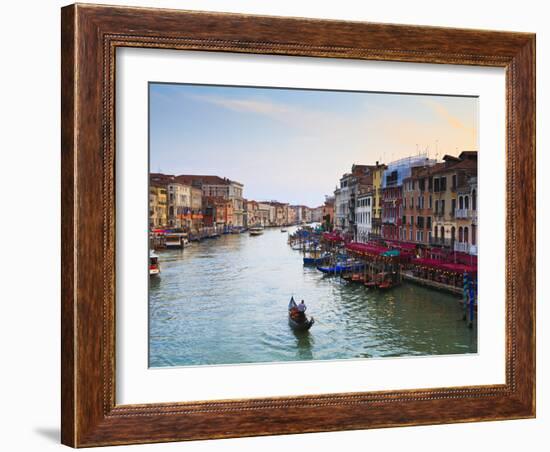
x,y
215,186
417,206
248,215
266,213
328,213
258,213
281,213
392,194
294,214
376,223
317,214
157,206
196,209
363,214
466,217
359,179
218,212
448,176
179,203
307,214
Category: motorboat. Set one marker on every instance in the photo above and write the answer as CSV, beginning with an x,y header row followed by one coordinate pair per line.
x,y
154,266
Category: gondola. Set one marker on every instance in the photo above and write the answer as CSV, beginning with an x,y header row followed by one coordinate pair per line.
x,y
298,325
316,260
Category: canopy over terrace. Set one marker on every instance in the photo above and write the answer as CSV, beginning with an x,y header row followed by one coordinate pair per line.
x,y
333,237
444,266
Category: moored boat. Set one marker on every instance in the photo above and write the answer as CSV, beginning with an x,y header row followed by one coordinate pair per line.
x,y
177,240
154,266
316,260
347,266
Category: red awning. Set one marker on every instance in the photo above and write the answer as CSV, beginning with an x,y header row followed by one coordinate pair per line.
x,y
367,248
439,264
333,237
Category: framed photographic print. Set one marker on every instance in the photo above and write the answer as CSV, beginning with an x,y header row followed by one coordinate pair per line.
x,y
282,225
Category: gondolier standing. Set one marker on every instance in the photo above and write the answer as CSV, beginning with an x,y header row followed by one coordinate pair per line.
x,y
302,307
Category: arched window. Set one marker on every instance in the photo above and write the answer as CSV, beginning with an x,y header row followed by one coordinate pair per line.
x,y
466,234
466,202
435,232
460,202
474,201
460,235
453,234
473,233
442,233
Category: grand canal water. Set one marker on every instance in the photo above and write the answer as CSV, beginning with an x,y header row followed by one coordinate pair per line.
x,y
224,301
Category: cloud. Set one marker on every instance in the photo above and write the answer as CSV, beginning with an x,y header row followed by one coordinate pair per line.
x,y
444,113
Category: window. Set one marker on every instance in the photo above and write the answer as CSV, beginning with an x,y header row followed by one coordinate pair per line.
x,y
442,207
474,203
430,202
466,202
453,206
460,234
436,184
442,230
466,234
454,181
429,223
460,202
473,234
443,183
436,206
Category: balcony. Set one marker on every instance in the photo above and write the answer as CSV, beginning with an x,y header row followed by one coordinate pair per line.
x,y
463,213
465,248
441,242
388,220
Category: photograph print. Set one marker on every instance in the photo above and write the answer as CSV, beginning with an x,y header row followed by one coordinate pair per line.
x,y
295,225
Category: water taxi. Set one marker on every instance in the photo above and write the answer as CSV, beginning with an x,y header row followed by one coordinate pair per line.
x,y
154,266
256,230
178,240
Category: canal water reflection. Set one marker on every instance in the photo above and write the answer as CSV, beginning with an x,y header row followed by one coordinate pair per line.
x,y
224,301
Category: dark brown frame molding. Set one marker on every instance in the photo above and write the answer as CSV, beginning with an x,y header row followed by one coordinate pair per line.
x,y
90,35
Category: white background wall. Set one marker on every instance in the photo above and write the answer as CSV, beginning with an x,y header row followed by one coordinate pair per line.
x,y
29,226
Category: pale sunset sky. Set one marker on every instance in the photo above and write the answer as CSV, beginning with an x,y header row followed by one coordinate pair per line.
x,y
293,145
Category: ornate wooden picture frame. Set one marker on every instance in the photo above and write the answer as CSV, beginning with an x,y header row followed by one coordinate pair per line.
x,y
90,37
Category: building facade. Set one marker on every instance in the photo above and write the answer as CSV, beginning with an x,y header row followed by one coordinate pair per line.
x,y
158,207
363,214
417,206
448,176
466,217
377,175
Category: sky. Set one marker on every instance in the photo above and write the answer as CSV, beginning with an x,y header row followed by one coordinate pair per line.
x,y
293,145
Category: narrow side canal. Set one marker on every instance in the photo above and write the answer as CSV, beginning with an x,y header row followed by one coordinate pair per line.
x,y
224,301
